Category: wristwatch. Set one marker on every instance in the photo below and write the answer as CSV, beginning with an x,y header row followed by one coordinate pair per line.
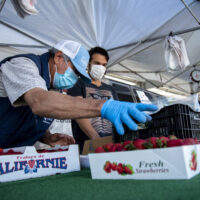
x,y
195,75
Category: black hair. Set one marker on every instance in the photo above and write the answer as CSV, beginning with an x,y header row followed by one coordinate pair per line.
x,y
98,50
52,52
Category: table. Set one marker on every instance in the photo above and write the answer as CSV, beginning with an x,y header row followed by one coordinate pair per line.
x,y
80,186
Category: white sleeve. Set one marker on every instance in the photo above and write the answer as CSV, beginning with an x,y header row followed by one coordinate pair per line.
x,y
20,75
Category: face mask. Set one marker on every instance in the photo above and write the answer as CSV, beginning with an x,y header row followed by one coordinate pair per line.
x,y
66,80
97,72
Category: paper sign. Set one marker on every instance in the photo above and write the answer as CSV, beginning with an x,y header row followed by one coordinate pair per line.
x,y
142,96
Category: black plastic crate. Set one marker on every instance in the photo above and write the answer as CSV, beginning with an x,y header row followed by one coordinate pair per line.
x,y
179,120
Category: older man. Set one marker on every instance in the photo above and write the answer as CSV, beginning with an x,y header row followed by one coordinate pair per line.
x,y
27,107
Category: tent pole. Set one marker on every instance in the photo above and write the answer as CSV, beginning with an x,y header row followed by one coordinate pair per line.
x,y
139,75
190,11
156,38
2,4
145,72
22,45
188,68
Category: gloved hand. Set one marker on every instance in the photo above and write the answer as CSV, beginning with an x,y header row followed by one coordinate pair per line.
x,y
119,112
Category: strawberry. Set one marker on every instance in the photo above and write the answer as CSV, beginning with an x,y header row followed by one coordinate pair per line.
x,y
193,158
127,170
99,150
119,147
189,141
108,147
193,165
114,166
120,169
107,167
10,152
174,143
162,141
128,145
113,148
153,141
1,150
139,143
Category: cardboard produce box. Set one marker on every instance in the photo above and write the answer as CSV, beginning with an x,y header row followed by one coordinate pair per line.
x,y
161,163
31,164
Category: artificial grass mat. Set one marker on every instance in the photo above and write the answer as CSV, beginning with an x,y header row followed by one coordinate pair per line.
x,y
79,185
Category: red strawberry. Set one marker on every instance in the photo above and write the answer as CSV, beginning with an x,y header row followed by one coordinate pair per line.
x,y
113,148
10,152
1,150
139,143
193,158
189,141
153,141
128,145
120,169
107,167
174,143
193,165
119,147
127,170
99,150
163,140
108,147
114,166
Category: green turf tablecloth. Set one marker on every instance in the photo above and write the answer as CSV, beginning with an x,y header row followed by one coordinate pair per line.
x,y
79,185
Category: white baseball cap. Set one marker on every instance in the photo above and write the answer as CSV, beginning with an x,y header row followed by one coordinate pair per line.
x,y
78,55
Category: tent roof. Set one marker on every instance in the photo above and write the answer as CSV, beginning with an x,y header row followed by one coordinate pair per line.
x,y
132,31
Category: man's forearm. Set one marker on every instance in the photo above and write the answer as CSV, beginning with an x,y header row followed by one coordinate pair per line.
x,y
60,106
87,128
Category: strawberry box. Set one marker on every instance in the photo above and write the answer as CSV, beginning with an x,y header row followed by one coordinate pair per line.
x,y
180,162
25,162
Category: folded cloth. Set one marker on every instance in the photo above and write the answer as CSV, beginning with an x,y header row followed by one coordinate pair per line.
x,y
176,57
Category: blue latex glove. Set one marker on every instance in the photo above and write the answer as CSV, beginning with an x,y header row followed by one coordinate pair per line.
x,y
119,112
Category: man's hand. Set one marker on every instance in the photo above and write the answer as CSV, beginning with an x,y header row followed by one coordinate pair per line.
x,y
57,139
119,112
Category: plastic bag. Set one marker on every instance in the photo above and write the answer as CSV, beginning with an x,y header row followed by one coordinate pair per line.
x,y
176,57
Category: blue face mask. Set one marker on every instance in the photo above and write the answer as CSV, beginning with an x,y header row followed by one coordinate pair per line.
x,y
66,80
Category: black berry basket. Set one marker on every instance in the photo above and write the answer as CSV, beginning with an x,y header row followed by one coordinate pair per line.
x,y
179,120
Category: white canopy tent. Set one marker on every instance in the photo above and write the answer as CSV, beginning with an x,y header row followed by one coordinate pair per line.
x,y
132,31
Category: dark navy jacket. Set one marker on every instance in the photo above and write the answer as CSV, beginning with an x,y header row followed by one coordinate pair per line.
x,y
18,125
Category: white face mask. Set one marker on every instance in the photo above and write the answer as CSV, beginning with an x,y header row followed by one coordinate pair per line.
x,y
97,72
